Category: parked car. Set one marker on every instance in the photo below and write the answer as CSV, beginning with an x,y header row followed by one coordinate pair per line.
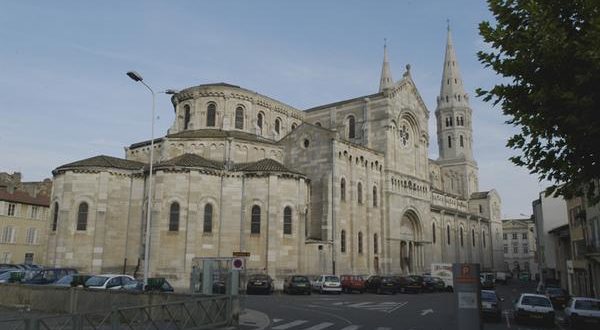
x,y
259,283
488,281
49,275
219,287
407,284
158,284
583,313
533,307
12,276
558,297
490,305
296,284
381,284
109,281
524,276
72,280
327,283
502,278
351,283
434,284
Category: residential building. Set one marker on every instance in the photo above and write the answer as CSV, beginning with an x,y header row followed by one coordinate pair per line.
x,y
519,246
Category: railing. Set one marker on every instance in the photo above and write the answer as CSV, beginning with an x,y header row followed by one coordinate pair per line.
x,y
194,314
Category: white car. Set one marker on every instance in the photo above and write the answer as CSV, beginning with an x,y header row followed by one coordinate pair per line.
x,y
327,283
534,307
582,311
109,281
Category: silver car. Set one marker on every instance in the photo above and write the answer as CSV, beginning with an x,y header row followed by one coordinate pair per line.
x,y
327,283
581,312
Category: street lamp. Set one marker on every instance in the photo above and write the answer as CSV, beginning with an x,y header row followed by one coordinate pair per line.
x,y
137,77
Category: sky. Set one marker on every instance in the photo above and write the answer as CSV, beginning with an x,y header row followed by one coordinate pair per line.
x,y
64,95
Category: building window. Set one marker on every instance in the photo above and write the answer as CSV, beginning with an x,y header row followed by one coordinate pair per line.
x,y
82,216
343,190
447,121
31,237
239,118
480,209
55,217
515,249
211,115
8,235
208,215
259,120
174,217
28,259
287,220
11,209
473,237
277,125
186,117
448,234
318,124
343,242
360,243
374,196
375,244
433,232
359,191
504,236
6,258
483,238
34,212
462,241
525,248
449,142
462,143
351,127
294,126
255,220
524,236
514,236
505,248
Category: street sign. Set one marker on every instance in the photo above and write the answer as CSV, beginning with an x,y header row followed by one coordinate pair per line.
x,y
237,264
467,291
241,254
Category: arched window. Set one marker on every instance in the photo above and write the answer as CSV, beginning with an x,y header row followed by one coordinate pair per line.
x,y
208,215
374,196
483,238
473,237
343,189
82,215
462,144
294,126
239,118
447,121
277,125
343,241
318,124
462,240
255,220
351,127
211,115
186,116
375,244
287,220
55,217
448,234
360,243
359,192
174,217
259,120
449,142
433,232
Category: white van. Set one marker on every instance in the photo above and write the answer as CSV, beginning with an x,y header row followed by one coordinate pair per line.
x,y
443,271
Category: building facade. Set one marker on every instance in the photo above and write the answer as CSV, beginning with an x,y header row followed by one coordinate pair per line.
x,y
346,187
519,246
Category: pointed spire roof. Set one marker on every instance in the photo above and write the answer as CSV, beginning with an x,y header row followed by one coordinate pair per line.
x,y
452,91
386,80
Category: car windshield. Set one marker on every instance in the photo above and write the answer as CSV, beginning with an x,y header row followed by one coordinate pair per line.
x,y
5,276
332,279
259,278
299,279
536,301
65,280
590,305
554,291
488,296
96,281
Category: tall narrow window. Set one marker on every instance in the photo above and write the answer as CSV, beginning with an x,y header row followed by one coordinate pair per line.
x,y
433,232
447,121
208,215
259,120
473,237
55,217
343,241
351,127
287,220
82,216
211,115
375,244
174,217
31,238
255,220
448,234
462,143
449,142
359,191
277,125
343,189
239,118
374,196
11,209
462,240
483,238
186,117
360,243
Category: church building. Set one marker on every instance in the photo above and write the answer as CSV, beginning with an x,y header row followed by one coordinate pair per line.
x,y
344,188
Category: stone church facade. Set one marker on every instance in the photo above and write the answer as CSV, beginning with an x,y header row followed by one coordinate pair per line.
x,y
346,187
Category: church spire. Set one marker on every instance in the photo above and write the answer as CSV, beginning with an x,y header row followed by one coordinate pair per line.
x,y
452,91
386,74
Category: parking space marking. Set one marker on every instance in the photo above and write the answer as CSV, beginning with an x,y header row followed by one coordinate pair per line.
x,y
320,326
289,325
351,327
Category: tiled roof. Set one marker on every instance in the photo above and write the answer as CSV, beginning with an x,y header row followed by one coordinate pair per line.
x,y
218,133
479,195
264,165
334,104
190,160
25,198
105,161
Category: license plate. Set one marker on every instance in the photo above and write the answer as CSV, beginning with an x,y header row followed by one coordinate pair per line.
x,y
257,283
535,316
301,285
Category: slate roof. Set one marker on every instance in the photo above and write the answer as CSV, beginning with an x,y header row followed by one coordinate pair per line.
x,y
106,162
190,160
25,198
218,133
338,103
264,165
479,195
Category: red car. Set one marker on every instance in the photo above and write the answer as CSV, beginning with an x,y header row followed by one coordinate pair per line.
x,y
352,283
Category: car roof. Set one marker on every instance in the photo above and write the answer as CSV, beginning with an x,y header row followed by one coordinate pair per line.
x,y
586,298
533,295
489,291
113,275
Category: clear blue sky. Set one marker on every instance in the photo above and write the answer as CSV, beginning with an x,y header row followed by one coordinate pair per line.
x,y
64,95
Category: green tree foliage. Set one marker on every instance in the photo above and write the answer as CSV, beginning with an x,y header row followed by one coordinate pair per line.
x,y
548,52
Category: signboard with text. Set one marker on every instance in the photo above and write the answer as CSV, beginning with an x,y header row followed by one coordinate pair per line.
x,y
467,288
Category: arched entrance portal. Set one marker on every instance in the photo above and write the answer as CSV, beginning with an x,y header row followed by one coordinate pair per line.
x,y
411,251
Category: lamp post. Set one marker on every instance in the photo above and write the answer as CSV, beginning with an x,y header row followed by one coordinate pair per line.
x,y
137,77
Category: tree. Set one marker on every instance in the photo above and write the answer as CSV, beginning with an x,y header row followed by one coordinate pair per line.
x,y
548,52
